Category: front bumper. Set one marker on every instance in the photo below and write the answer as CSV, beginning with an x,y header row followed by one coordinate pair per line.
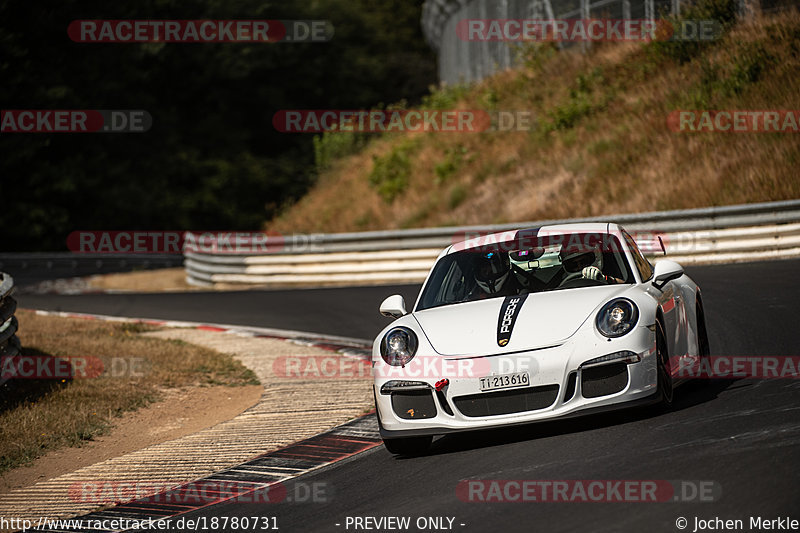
x,y
560,387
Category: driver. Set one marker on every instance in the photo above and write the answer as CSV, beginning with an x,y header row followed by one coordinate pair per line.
x,y
581,261
493,276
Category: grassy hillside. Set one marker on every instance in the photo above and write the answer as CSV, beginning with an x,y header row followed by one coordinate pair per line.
x,y
601,144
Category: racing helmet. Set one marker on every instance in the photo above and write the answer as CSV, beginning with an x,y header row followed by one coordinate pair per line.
x,y
575,258
491,271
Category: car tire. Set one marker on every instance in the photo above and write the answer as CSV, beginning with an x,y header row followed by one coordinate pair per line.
x,y
703,347
408,446
666,391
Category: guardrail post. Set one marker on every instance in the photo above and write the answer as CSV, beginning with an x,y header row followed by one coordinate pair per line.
x,y
748,9
585,14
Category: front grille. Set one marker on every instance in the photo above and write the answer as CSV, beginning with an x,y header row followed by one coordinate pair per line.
x,y
604,380
507,401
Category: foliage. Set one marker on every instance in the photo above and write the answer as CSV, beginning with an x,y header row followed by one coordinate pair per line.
x,y
722,12
454,157
391,172
212,159
582,101
333,145
444,97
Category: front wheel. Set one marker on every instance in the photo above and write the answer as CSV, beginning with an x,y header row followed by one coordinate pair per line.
x,y
409,446
665,388
703,346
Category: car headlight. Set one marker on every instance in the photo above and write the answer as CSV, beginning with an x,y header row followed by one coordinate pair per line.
x,y
625,356
617,317
399,346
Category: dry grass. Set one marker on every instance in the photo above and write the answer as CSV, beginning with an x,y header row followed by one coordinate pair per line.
x,y
163,279
37,416
601,145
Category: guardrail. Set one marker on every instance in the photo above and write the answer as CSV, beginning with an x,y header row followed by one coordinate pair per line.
x,y
33,267
9,343
717,234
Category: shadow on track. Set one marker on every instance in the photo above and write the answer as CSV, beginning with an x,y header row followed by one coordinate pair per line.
x,y
689,395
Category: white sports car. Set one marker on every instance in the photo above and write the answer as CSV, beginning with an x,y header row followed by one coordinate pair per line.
x,y
532,325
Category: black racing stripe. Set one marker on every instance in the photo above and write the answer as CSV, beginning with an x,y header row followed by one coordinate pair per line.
x,y
508,317
527,234
525,239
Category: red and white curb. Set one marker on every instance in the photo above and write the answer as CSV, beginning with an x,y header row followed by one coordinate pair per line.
x,y
258,481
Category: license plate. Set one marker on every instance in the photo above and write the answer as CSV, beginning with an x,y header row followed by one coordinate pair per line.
x,y
505,381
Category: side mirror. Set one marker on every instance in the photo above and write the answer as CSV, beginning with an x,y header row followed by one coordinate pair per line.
x,y
394,306
666,271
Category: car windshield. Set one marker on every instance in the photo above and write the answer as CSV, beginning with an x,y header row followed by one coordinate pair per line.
x,y
526,265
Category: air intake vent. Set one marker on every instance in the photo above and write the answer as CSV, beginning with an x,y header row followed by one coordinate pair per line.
x,y
507,401
569,392
604,380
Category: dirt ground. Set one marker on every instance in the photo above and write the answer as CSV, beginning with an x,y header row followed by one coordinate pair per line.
x,y
181,412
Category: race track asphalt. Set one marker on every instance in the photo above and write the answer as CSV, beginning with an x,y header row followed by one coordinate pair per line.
x,y
742,436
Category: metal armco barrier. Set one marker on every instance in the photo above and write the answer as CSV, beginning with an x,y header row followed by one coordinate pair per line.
x,y
9,343
749,232
33,267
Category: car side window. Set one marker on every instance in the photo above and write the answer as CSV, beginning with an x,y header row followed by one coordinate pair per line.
x,y
642,265
449,283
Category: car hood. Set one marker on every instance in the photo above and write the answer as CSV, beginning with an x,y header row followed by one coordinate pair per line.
x,y
543,319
